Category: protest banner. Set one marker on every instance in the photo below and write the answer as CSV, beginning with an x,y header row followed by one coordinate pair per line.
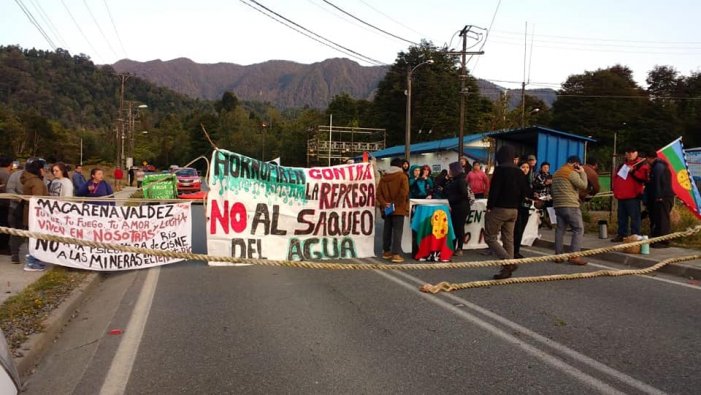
x,y
261,210
474,225
161,227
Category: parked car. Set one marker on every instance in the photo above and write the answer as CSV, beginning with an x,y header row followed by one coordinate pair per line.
x,y
188,180
9,379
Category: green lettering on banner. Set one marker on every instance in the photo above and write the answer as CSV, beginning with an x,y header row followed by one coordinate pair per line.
x,y
160,186
237,173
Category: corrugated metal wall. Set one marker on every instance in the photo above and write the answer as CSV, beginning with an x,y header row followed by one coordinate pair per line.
x,y
556,149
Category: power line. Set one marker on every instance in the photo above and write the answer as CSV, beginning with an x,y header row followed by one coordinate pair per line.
x,y
392,19
607,39
100,29
303,33
77,25
366,58
581,48
44,17
35,23
115,29
368,24
486,37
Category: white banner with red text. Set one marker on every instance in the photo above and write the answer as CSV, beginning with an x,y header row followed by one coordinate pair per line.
x,y
261,210
161,227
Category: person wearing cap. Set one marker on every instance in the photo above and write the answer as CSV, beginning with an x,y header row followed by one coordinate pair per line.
x,y
508,189
627,184
659,197
567,182
393,200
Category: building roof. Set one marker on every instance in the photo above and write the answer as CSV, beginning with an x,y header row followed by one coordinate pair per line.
x,y
448,144
526,133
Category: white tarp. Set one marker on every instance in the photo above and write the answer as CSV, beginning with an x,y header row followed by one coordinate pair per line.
x,y
160,227
261,210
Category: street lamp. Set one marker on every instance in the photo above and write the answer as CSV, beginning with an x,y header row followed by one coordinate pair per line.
x,y
407,136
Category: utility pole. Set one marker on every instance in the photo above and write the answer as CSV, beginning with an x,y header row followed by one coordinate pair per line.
x,y
121,126
463,79
523,82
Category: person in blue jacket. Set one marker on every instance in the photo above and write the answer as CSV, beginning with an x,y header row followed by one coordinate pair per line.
x,y
420,182
96,187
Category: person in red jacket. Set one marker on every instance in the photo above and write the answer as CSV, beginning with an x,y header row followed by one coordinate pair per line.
x,y
628,180
118,177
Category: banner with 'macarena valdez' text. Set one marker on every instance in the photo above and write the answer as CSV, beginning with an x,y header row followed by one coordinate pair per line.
x,y
261,210
158,227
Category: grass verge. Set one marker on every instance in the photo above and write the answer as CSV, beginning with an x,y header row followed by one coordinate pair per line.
x,y
23,314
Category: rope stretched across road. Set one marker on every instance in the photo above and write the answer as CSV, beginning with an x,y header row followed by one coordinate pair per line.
x,y
338,265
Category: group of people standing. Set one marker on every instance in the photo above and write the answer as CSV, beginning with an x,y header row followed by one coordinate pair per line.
x,y
645,180
515,188
36,178
402,182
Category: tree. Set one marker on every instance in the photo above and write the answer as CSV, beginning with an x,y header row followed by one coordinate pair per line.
x,y
600,103
435,95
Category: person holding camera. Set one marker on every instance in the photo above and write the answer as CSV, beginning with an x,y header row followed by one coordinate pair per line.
x,y
567,182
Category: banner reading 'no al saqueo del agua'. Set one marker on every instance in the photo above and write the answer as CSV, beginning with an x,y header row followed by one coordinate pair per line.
x,y
261,210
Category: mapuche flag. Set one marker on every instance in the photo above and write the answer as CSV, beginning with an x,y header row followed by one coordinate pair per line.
x,y
682,184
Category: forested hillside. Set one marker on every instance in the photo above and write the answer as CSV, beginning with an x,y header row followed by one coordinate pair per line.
x,y
49,101
284,84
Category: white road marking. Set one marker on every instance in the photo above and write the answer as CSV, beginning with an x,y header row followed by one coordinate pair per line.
x,y
544,356
123,361
647,276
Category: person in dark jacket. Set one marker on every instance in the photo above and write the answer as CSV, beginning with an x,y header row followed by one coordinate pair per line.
x,y
660,198
440,184
33,185
393,200
460,198
524,211
508,189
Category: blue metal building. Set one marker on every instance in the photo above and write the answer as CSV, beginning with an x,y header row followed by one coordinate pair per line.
x,y
548,145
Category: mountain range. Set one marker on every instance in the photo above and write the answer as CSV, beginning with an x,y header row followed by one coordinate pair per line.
x,y
283,83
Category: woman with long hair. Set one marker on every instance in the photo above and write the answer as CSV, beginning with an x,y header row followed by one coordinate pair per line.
x,y
61,185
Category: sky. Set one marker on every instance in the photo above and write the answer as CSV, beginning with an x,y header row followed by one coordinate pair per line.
x,y
556,38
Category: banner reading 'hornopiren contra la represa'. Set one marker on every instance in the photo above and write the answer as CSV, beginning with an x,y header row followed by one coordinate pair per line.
x,y
162,227
262,210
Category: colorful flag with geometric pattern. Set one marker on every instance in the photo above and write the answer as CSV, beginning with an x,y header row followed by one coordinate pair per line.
x,y
682,183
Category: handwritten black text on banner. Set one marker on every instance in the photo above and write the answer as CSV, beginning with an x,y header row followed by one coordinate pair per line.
x,y
162,227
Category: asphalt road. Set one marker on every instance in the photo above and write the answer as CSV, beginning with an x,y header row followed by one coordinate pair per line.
x,y
273,330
